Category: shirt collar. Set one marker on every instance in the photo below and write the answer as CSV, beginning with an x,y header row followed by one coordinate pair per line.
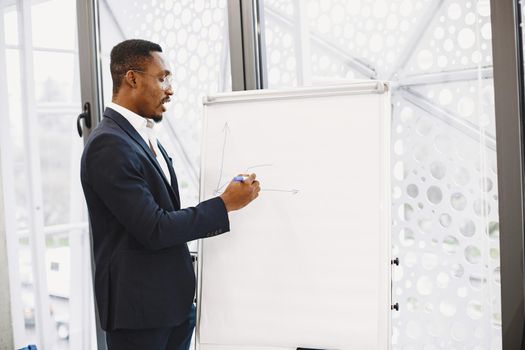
x,y
138,122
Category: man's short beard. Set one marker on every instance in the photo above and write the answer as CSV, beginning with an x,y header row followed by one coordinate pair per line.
x,y
157,118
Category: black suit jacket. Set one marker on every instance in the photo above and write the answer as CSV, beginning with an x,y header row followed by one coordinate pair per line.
x,y
144,276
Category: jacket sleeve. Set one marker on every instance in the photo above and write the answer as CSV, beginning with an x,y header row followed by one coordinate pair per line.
x,y
114,172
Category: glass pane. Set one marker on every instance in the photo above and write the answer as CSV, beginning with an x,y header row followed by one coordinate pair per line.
x,y
56,78
445,204
16,127
60,33
194,39
67,266
60,148
11,25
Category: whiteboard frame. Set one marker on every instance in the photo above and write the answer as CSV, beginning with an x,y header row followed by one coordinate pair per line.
x,y
361,87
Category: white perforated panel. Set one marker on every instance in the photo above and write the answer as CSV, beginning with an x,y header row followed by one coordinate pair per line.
x,y
445,206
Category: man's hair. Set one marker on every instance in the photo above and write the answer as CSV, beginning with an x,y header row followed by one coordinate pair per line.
x,y
128,55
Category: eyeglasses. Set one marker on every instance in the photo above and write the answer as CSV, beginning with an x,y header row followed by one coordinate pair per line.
x,y
164,82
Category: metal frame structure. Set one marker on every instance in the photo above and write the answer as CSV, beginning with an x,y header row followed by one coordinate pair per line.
x,y
247,44
8,215
91,92
35,200
507,48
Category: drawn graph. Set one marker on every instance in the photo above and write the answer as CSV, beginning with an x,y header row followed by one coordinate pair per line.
x,y
222,183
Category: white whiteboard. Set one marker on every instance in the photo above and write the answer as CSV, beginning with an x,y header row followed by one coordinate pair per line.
x,y
308,263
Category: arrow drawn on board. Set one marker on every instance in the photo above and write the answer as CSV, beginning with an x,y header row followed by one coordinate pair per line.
x,y
225,130
294,191
257,166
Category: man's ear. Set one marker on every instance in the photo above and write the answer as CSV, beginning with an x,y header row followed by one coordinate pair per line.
x,y
130,79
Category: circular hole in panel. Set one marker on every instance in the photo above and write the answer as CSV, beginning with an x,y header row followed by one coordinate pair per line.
x,y
450,244
434,195
423,126
462,292
397,273
421,153
445,97
398,147
459,332
458,201
477,281
442,280
424,285
429,308
454,11
457,270
475,309
470,18
412,304
443,144
445,220
447,308
407,114
425,59
467,228
494,253
466,106
398,168
476,57
486,31
406,237
494,230
442,62
410,259
396,192
405,212
168,21
466,38
496,275
412,190
448,45
483,8
425,225
438,170
472,254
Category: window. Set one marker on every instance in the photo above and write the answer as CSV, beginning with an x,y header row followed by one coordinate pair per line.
x,y
54,266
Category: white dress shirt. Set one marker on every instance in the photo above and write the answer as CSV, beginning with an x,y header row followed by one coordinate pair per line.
x,y
146,129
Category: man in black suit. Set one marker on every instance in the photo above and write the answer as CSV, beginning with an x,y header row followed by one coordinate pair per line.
x,y
144,279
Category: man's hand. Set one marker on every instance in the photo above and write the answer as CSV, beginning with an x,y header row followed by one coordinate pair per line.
x,y
239,193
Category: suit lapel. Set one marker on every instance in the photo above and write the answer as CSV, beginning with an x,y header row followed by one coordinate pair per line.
x,y
130,130
174,182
